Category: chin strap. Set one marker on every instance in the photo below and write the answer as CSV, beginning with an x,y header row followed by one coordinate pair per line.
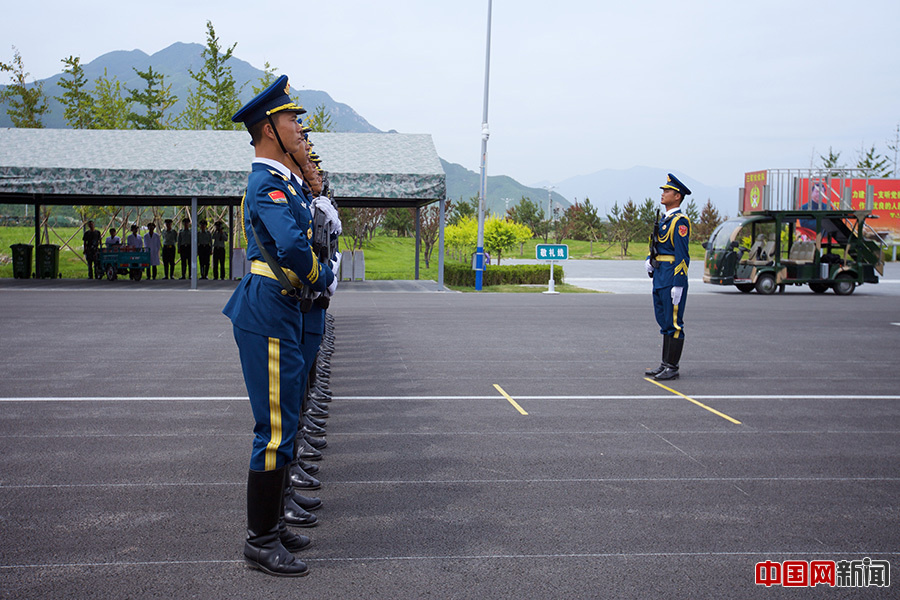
x,y
280,143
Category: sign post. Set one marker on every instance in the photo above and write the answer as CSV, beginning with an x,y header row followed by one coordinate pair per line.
x,y
552,253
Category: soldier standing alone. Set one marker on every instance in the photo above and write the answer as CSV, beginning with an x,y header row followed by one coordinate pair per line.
x,y
668,264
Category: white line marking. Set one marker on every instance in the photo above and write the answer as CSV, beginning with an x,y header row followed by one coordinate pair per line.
x,y
145,485
581,555
445,398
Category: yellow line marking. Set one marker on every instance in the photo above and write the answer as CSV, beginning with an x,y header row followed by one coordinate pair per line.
x,y
511,401
700,404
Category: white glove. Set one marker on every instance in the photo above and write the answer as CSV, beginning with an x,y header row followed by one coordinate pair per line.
x,y
330,291
336,263
331,214
649,266
676,295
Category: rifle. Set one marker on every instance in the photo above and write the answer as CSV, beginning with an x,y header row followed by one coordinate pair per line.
x,y
654,252
323,244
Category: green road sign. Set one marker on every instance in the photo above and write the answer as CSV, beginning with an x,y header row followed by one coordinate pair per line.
x,y
552,251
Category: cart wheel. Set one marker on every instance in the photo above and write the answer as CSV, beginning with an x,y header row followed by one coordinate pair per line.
x,y
819,288
843,284
744,287
111,273
765,284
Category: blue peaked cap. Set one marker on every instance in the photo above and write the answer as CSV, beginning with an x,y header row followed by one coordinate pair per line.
x,y
673,183
271,100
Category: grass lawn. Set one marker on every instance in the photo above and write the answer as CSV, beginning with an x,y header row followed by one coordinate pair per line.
x,y
387,257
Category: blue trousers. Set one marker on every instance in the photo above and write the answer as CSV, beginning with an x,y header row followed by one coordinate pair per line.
x,y
275,375
670,318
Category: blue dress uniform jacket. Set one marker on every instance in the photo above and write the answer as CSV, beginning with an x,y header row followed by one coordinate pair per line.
x,y
268,325
674,259
283,223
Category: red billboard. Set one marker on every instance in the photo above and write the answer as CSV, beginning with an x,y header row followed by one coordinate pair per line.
x,y
822,194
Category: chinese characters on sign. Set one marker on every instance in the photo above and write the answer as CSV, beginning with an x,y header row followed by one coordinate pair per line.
x,y
842,573
552,252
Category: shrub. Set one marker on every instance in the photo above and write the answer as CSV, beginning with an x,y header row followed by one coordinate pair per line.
x,y
463,275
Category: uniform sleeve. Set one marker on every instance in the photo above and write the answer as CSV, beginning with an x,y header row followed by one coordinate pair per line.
x,y
291,242
680,238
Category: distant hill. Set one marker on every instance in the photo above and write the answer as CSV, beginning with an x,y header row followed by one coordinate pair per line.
x,y
174,62
608,186
604,187
464,184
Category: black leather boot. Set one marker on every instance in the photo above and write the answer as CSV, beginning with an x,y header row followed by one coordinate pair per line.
x,y
672,359
294,514
302,480
662,365
316,442
263,548
306,503
308,467
304,451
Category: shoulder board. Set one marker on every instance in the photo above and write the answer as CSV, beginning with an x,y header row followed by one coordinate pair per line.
x,y
277,174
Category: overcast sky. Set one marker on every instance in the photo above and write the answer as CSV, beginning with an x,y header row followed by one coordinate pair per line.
x,y
709,88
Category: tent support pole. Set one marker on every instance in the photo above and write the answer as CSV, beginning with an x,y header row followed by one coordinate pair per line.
x,y
418,238
37,227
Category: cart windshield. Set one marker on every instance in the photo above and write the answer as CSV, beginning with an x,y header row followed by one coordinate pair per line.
x,y
721,237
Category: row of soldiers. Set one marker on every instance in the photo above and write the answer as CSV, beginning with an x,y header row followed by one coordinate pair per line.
x,y
283,333
210,244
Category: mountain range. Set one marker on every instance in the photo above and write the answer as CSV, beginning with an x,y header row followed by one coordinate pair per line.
x,y
604,187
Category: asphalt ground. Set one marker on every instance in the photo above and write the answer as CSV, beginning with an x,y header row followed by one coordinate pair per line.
x,y
125,435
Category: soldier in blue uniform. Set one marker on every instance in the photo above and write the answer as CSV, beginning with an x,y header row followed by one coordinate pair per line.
x,y
668,265
268,324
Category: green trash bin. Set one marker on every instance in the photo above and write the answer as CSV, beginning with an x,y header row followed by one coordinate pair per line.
x,y
21,260
47,261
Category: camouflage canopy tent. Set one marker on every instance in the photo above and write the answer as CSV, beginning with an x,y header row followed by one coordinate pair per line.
x,y
178,167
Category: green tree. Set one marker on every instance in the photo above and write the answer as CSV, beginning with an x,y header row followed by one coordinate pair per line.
x,y
530,214
110,107
27,105
156,98
78,102
501,235
266,80
215,85
624,224
646,217
193,116
430,228
400,220
464,210
461,237
873,164
709,219
691,210
589,223
319,120
832,161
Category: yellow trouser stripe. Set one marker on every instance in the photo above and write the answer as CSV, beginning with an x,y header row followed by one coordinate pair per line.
x,y
675,321
274,403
